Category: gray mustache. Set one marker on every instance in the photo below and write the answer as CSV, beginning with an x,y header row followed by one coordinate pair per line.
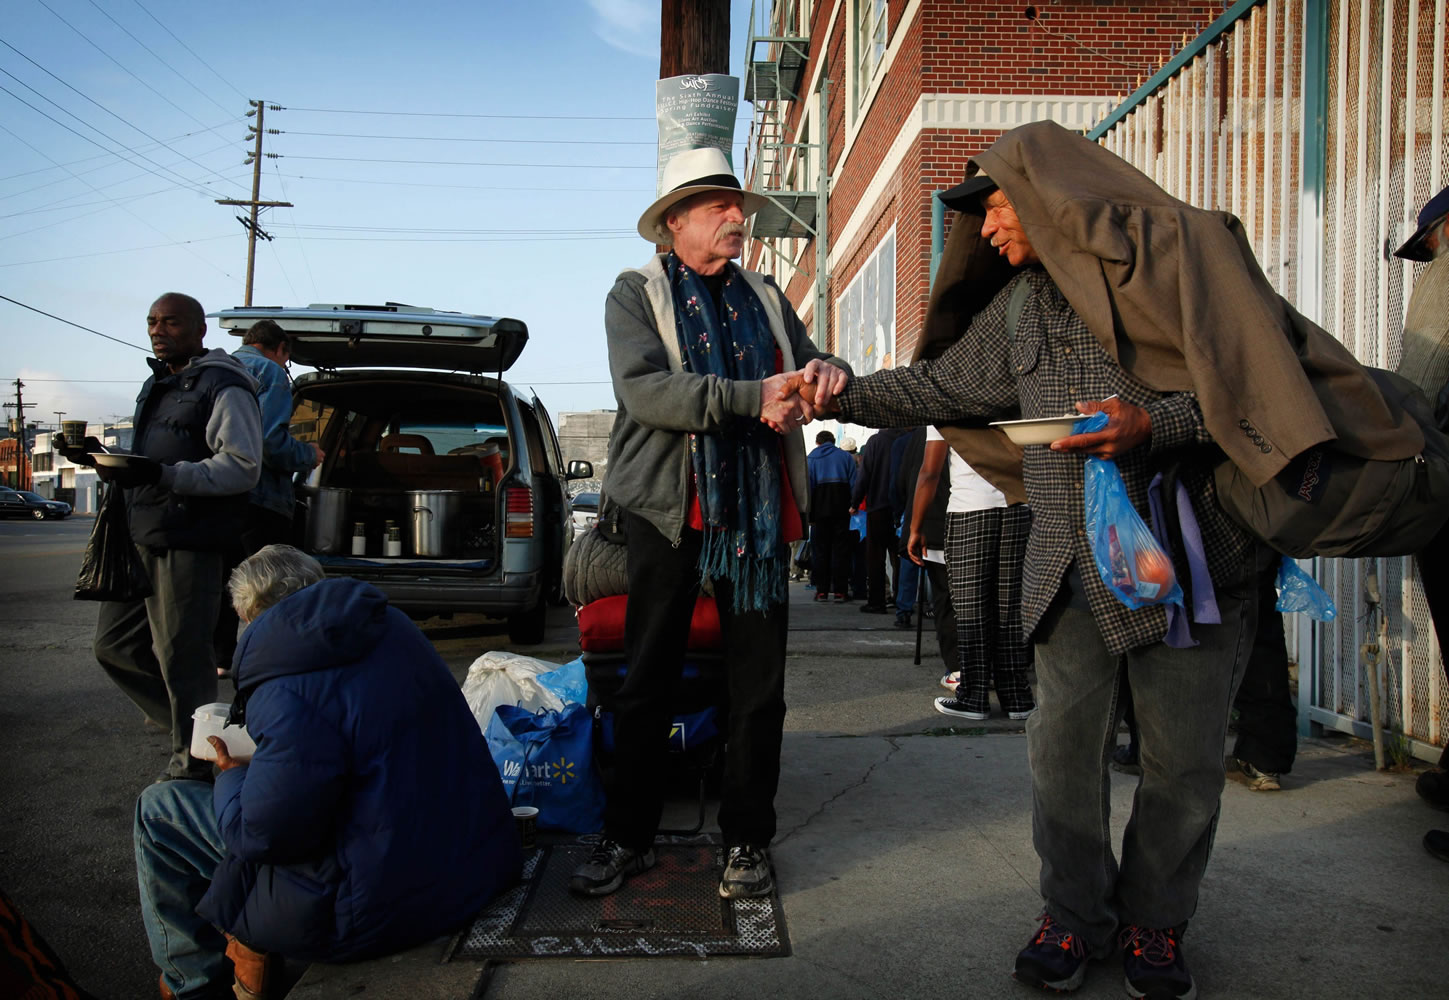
x,y
730,229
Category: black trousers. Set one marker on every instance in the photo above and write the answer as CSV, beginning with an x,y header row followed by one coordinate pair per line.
x,y
1267,720
263,527
1433,565
945,613
663,586
880,548
831,541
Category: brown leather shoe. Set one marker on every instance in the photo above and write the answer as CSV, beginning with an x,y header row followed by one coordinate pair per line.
x,y
256,972
166,993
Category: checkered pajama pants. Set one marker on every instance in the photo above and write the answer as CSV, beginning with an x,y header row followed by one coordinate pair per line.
x,y
984,552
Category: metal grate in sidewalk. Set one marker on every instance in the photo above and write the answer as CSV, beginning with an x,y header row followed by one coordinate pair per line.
x,y
672,910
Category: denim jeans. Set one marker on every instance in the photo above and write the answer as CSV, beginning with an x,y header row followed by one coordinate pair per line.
x,y
178,847
906,583
1181,699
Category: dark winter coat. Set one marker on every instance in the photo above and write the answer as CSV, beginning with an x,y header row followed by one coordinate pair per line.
x,y
371,817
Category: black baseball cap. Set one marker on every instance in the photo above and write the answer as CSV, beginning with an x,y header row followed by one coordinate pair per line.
x,y
964,195
1429,216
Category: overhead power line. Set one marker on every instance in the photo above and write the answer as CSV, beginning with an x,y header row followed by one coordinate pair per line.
x,y
67,322
459,187
528,118
154,246
205,62
98,103
474,163
454,138
148,48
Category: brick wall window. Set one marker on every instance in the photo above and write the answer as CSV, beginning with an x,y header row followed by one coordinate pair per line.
x,y
866,313
870,44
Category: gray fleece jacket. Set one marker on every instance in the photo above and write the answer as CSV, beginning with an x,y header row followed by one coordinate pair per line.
x,y
660,404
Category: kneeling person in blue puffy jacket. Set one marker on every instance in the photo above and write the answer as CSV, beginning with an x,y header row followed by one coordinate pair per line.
x,y
370,818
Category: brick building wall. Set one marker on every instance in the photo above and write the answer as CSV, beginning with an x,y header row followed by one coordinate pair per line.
x,y
989,61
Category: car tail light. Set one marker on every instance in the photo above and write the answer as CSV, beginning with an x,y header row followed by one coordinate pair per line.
x,y
518,518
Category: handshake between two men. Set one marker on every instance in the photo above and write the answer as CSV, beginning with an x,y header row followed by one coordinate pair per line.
x,y
790,399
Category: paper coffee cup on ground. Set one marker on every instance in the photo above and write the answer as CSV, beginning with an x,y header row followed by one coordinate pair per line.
x,y
525,818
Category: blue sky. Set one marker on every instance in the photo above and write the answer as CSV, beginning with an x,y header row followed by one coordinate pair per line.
x,y
122,120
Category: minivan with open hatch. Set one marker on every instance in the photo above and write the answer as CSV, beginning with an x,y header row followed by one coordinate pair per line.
x,y
442,485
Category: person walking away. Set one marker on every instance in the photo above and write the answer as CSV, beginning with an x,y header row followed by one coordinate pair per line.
x,y
198,443
266,352
985,543
708,463
926,546
832,478
873,491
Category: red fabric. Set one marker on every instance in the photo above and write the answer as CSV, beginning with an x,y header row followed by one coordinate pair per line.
x,y
601,624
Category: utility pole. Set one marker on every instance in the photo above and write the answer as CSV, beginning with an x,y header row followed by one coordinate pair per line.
x,y
258,108
22,457
58,415
694,37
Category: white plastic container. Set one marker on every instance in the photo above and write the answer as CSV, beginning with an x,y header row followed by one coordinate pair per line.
x,y
208,720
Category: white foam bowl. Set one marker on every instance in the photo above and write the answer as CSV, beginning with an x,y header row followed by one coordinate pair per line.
x,y
209,720
1038,430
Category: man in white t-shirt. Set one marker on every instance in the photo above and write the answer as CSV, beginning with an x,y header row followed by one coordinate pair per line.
x,y
985,545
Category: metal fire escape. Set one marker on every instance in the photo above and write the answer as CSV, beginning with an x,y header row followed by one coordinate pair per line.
x,y
775,72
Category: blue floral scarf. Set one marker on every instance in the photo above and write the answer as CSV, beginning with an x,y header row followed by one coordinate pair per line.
x,y
737,468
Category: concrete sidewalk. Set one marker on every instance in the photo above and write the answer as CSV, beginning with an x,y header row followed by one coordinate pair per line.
x,y
906,868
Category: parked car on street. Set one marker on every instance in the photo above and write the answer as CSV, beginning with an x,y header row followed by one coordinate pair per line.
x,y
442,487
585,511
23,503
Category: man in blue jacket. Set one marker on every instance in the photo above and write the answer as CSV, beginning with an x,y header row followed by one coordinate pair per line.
x,y
371,817
266,352
832,477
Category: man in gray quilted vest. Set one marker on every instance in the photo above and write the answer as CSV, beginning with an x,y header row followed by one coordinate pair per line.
x,y
708,463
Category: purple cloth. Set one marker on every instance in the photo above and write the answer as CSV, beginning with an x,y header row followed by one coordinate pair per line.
x,y
1204,597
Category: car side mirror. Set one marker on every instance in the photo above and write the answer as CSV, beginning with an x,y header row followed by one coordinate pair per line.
x,y
579,469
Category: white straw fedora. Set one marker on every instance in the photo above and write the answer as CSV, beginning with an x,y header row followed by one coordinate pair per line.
x,y
688,173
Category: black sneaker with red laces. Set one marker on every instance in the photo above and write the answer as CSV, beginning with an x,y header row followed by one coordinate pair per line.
x,y
1054,958
1154,966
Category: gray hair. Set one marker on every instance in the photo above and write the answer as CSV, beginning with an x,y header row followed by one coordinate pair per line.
x,y
272,574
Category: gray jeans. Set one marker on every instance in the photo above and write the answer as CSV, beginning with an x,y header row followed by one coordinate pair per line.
x,y
158,651
1181,698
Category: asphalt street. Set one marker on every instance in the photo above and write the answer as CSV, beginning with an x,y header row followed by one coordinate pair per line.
x,y
74,754
904,855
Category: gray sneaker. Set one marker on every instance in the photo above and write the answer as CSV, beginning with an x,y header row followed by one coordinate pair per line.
x,y
607,867
1258,781
747,873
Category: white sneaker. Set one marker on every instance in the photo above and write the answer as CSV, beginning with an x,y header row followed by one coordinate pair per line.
x,y
950,681
1019,716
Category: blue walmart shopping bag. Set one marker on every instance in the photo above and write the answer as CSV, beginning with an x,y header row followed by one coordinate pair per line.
x,y
546,760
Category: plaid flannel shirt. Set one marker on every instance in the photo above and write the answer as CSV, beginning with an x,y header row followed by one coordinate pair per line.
x,y
1051,363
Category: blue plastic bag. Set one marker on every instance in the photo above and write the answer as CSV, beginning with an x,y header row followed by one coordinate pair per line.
x,y
567,681
1299,592
546,760
1131,562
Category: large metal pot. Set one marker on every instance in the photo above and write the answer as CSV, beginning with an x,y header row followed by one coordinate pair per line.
x,y
435,522
328,532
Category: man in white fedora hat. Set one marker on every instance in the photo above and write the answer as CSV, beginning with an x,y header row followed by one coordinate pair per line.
x,y
707,461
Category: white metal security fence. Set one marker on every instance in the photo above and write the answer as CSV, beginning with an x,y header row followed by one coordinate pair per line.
x,y
1320,123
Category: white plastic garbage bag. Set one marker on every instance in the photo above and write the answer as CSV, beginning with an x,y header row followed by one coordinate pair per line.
x,y
500,678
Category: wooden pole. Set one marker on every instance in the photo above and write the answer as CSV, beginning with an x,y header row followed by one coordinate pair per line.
x,y
694,37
